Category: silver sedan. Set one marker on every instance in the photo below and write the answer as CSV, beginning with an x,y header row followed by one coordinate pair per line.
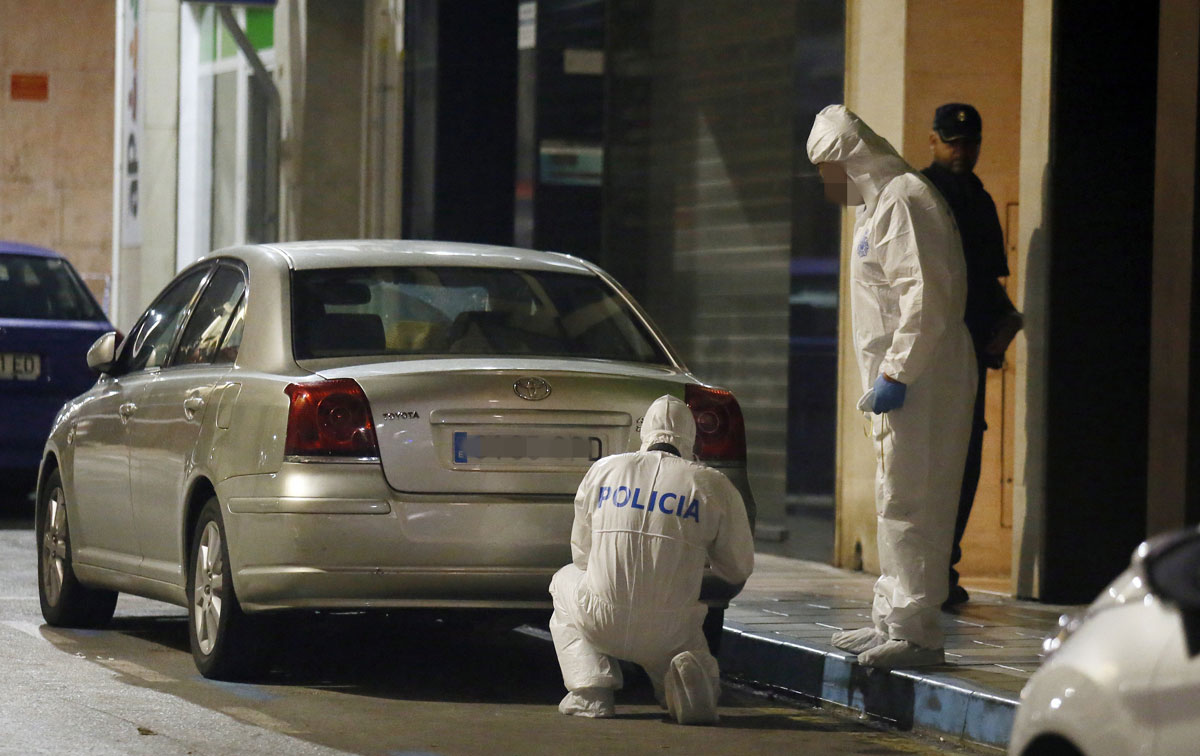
x,y
347,426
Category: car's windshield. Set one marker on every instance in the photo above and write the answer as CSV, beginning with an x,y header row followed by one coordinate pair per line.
x,y
45,288
464,311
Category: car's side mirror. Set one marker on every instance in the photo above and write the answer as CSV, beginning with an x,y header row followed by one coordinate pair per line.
x,y
103,353
1173,570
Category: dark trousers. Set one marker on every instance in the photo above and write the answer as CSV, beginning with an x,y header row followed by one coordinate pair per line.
x,y
970,473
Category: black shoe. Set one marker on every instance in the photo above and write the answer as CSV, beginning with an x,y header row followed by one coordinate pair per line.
x,y
958,595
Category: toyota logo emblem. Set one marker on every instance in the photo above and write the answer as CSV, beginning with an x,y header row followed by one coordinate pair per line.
x,y
533,389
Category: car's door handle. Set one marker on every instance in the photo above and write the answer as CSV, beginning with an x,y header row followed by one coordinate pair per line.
x,y
125,410
192,405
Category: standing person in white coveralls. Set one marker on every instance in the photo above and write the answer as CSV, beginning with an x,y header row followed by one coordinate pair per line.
x,y
645,524
908,298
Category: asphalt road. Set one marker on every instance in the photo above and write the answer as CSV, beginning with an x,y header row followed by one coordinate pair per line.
x,y
348,684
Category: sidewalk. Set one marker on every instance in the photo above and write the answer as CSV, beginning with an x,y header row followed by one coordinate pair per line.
x,y
777,634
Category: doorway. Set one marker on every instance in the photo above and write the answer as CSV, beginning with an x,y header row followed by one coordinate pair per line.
x,y
975,58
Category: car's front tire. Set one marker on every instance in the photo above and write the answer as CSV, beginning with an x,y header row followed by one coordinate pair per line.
x,y
65,601
227,644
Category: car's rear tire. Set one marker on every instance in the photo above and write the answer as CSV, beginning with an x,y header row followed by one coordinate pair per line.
x,y
227,644
714,627
65,601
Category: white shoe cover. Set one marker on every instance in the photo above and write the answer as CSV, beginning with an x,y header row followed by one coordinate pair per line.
x,y
900,653
596,703
690,695
857,641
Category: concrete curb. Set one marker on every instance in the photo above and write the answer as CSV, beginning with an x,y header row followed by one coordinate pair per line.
x,y
932,702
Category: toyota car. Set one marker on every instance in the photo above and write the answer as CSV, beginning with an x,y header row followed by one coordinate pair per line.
x,y
350,426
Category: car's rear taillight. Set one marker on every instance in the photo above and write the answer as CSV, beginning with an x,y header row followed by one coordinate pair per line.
x,y
330,419
720,430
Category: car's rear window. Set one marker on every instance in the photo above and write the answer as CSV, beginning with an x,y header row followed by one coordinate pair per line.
x,y
341,312
43,288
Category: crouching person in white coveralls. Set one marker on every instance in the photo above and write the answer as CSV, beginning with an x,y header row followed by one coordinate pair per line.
x,y
645,524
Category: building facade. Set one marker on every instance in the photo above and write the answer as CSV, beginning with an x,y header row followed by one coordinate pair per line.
x,y
664,139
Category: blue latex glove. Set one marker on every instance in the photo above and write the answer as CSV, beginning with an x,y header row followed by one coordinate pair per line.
x,y
889,395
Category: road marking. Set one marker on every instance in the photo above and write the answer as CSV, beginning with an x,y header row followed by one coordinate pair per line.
x,y
136,670
256,717
1013,669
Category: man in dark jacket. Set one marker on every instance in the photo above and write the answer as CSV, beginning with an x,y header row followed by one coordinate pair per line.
x,y
991,317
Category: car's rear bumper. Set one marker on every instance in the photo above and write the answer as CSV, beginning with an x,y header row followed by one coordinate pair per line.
x,y
335,536
271,587
326,535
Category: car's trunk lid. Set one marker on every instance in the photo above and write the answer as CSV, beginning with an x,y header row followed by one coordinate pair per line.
x,y
465,427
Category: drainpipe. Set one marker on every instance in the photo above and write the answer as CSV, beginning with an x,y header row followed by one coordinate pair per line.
x,y
264,81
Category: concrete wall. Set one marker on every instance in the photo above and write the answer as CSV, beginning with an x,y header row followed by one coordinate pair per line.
x,y
331,140
56,173
875,51
1174,247
1029,476
146,268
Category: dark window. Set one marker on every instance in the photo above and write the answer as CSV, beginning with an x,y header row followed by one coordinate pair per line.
x,y
150,340
210,317
44,288
465,311
233,334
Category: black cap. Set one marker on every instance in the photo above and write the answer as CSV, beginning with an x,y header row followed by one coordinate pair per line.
x,y
956,120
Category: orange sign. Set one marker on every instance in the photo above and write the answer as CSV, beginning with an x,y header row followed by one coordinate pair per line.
x,y
27,86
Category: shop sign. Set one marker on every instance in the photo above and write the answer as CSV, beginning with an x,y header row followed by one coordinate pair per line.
x,y
133,114
570,164
29,86
527,26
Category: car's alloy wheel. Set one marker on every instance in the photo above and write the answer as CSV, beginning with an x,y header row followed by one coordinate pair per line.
x,y
55,546
65,601
208,587
226,643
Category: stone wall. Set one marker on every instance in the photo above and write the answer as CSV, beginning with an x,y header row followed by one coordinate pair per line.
x,y
56,153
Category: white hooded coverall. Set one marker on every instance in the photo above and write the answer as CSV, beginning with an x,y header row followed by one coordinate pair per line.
x,y
908,297
645,524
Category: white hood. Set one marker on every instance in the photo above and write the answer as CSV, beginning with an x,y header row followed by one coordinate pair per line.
x,y
669,421
840,136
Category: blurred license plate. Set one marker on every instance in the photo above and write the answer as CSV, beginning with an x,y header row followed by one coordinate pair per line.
x,y
20,366
469,447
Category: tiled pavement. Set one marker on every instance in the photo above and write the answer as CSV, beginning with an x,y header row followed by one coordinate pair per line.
x,y
777,634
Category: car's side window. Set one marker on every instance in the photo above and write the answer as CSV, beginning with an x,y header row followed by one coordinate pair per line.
x,y
233,334
151,339
210,317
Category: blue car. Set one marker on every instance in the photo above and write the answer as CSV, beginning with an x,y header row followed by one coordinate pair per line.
x,y
48,319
